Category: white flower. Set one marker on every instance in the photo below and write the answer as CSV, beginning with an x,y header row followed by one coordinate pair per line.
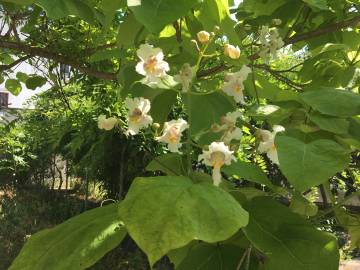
x,y
270,41
185,76
172,134
137,115
218,155
232,51
106,123
231,132
267,144
152,64
203,36
234,84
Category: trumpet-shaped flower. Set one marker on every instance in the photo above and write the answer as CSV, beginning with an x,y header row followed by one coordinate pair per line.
x,y
185,76
106,123
152,64
217,156
231,132
232,51
267,143
234,84
172,134
137,115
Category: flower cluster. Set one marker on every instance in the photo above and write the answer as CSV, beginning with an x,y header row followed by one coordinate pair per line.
x,y
267,143
154,68
270,41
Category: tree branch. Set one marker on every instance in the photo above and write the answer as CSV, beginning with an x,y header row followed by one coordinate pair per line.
x,y
13,64
43,52
324,30
298,37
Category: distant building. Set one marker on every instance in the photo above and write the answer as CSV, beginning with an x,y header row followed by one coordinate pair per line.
x,y
9,103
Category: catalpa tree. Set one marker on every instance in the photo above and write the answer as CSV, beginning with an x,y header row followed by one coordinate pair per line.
x,y
261,88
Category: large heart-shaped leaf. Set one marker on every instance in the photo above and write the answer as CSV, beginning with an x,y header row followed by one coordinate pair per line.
x,y
287,240
75,244
13,86
165,213
334,102
307,164
155,14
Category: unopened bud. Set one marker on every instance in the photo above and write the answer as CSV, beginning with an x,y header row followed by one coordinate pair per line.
x,y
156,126
203,37
232,51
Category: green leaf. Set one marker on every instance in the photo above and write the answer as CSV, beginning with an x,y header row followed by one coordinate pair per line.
x,y
287,240
63,8
341,103
248,171
207,110
260,8
75,244
332,124
13,86
308,164
352,223
109,8
212,257
317,4
300,205
22,77
170,164
161,106
106,54
34,82
216,13
128,31
268,90
165,213
155,14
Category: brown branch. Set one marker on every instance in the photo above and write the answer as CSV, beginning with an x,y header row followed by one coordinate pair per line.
x,y
13,64
298,37
325,30
43,52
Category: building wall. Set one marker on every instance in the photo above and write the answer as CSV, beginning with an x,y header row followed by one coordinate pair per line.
x,y
19,102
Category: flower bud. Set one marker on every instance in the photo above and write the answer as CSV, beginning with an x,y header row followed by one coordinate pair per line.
x,y
156,126
203,37
232,51
276,21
